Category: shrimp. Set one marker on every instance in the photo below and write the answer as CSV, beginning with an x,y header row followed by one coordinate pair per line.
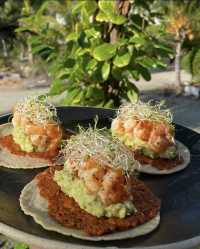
x,y
160,138
117,126
53,143
158,144
38,140
92,173
143,130
32,129
129,125
113,188
53,131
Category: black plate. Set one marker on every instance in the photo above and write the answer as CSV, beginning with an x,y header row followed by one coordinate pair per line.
x,y
180,193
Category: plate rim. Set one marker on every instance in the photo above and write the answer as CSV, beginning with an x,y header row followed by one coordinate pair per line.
x,y
37,241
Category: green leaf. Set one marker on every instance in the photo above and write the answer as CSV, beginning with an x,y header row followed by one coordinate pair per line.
x,y
72,36
57,87
164,48
91,7
77,7
107,6
196,65
109,104
91,64
63,73
81,51
145,73
21,246
134,74
122,59
69,63
78,98
138,39
117,73
117,19
109,13
133,95
102,17
113,18
71,95
146,62
160,64
104,52
92,33
93,93
39,48
85,17
186,61
105,70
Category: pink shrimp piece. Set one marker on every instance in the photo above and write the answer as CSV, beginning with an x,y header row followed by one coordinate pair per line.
x,y
92,174
143,130
53,131
113,188
53,143
33,129
129,125
117,126
38,140
160,138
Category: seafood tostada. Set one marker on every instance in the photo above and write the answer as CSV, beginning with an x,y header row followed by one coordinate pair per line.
x,y
148,131
33,137
96,195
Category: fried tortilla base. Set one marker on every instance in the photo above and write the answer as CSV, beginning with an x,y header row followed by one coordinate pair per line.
x,y
67,212
158,163
161,166
8,143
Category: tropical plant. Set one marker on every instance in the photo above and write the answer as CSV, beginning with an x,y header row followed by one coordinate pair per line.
x,y
191,63
183,23
9,13
21,246
95,50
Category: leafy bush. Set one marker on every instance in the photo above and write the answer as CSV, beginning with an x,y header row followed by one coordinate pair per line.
x,y
21,246
191,63
95,50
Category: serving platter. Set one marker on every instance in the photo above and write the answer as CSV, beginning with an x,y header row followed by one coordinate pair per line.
x,y
179,192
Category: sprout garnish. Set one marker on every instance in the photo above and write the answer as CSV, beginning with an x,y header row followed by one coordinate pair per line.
x,y
37,109
145,111
99,145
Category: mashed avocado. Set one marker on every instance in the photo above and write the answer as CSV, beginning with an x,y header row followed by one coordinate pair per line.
x,y
22,139
170,153
75,188
138,144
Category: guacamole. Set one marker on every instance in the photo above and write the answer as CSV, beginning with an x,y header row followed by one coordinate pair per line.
x,y
137,144
22,139
75,188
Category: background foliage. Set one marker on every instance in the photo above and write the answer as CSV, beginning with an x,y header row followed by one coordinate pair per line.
x,y
95,50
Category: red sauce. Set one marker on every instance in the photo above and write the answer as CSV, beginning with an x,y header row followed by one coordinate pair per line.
x,y
159,163
8,143
67,212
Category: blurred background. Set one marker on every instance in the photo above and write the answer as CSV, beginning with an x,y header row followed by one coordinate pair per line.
x,y
102,53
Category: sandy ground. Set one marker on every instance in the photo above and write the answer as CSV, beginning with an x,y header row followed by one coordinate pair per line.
x,y
10,96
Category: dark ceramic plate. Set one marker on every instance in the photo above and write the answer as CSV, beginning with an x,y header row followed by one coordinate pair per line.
x,y
180,194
